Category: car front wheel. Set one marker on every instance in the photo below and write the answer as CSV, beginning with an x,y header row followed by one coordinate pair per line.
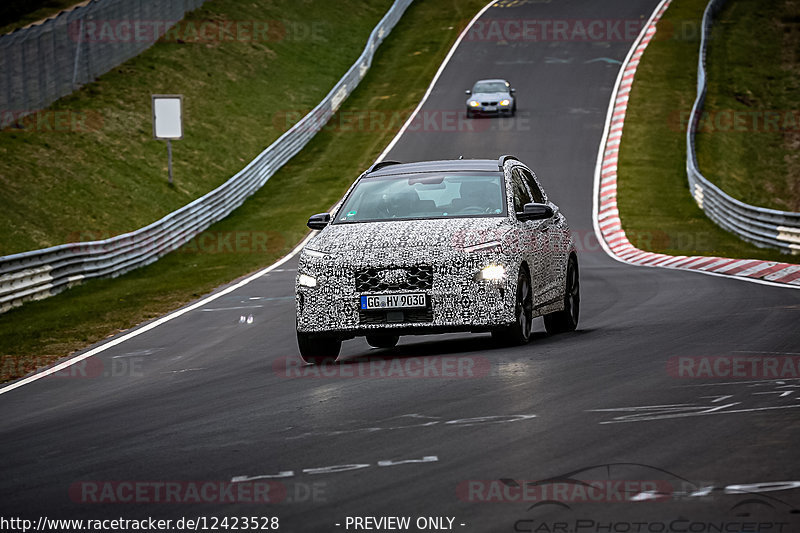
x,y
519,332
318,349
567,320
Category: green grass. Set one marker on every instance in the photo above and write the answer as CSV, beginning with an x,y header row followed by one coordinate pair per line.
x,y
40,332
658,213
106,175
754,71
19,13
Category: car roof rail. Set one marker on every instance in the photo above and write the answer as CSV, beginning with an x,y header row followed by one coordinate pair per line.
x,y
503,158
380,164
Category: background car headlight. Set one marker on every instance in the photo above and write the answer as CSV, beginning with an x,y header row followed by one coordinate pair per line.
x,y
492,273
306,281
505,102
473,103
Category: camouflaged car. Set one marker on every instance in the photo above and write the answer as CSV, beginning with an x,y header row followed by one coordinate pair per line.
x,y
433,247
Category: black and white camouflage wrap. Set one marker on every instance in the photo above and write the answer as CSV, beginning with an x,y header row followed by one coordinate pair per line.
x,y
457,299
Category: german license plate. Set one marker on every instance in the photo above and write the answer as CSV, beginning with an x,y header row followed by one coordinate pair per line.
x,y
393,301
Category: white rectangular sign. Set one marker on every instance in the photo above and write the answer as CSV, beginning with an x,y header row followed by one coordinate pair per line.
x,y
167,119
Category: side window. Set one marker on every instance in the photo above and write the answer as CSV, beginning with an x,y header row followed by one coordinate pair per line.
x,y
536,192
521,194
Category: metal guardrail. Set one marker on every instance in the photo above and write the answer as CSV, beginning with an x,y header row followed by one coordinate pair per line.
x,y
41,273
43,62
758,225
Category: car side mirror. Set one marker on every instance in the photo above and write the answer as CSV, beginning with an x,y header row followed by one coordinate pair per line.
x,y
534,211
319,221
468,91
513,90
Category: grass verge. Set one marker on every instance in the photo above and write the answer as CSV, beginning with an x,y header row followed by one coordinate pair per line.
x,y
88,168
15,14
272,221
749,139
658,213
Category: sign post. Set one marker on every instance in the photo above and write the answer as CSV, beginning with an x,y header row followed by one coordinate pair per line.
x,y
168,121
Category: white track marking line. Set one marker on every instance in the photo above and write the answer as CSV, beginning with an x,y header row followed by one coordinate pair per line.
x,y
176,314
211,309
433,82
607,153
154,324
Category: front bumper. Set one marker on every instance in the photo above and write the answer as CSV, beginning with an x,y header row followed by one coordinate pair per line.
x,y
455,300
489,110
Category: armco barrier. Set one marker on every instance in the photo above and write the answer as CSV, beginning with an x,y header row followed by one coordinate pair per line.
x,y
758,225
605,213
43,62
41,273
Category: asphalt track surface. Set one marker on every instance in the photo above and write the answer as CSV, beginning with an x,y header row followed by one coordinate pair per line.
x,y
199,398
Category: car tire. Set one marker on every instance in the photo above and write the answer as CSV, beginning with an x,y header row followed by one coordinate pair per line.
x,y
383,341
469,114
567,320
318,350
520,332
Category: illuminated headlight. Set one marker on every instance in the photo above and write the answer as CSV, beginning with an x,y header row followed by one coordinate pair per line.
x,y
306,281
492,273
505,102
483,247
474,103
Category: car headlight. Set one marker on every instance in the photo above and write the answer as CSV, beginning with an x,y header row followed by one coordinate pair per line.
x,y
505,102
483,247
474,103
306,281
492,273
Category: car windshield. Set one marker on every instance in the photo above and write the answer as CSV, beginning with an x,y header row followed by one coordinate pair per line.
x,y
490,87
425,195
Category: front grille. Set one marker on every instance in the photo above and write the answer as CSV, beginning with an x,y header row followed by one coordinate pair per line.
x,y
489,103
417,278
415,316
